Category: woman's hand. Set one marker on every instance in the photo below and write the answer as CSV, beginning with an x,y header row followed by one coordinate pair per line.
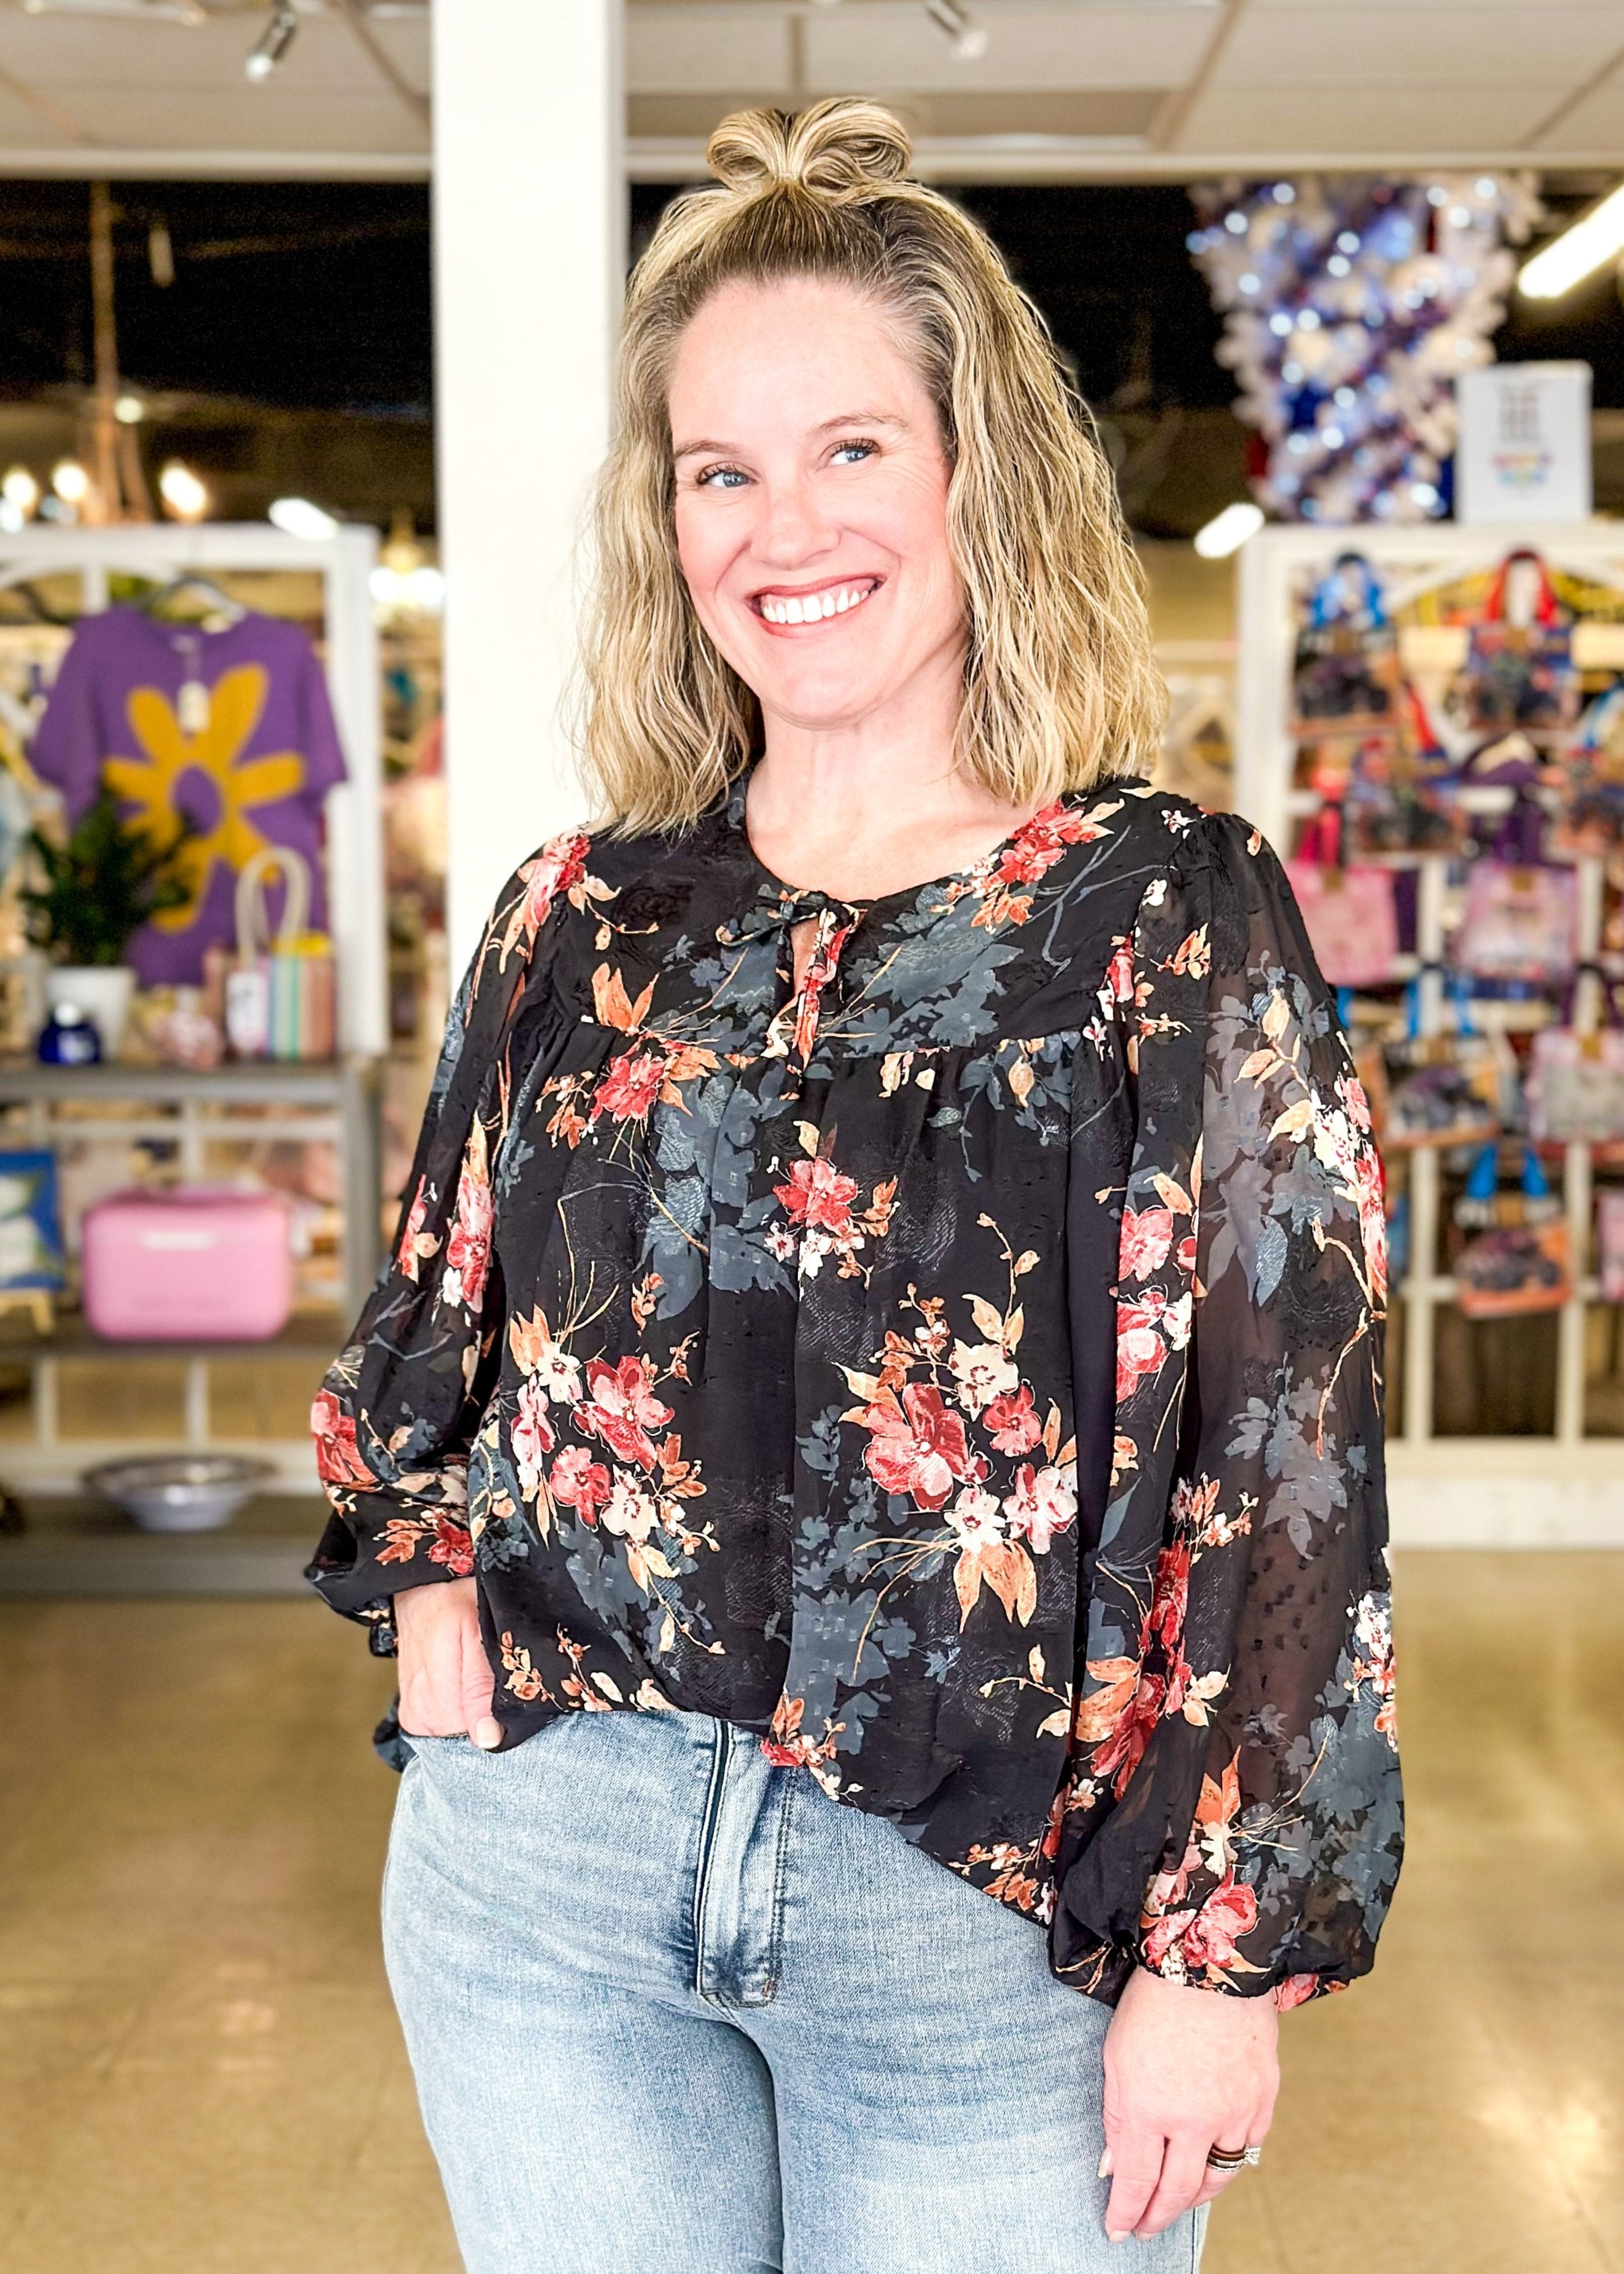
x,y
1185,2070
446,1680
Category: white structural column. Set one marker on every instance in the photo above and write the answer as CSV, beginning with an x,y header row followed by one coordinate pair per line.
x,y
530,246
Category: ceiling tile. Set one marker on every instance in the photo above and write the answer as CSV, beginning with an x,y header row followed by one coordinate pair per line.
x,y
688,117
1605,8
1361,120
65,52
255,118
886,48
22,128
1553,46
1595,124
684,50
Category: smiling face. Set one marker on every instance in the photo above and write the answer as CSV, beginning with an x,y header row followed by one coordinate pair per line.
x,y
811,503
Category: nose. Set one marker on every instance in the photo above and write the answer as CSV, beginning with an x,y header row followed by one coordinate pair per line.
x,y
793,532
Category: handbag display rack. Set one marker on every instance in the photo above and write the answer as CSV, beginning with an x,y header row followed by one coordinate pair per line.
x,y
1538,924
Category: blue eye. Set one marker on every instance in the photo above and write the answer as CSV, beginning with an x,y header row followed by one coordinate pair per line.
x,y
854,453
721,477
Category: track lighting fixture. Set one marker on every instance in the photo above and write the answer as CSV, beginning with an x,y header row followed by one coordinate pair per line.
x,y
273,43
966,37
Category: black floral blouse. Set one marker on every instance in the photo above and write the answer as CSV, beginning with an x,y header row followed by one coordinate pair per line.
x,y
962,1369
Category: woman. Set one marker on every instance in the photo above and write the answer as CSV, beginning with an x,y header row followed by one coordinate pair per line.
x,y
871,1428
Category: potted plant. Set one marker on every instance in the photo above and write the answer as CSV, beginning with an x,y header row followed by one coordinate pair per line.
x,y
99,886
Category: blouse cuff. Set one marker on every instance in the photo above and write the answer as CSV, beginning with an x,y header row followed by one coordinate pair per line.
x,y
362,1563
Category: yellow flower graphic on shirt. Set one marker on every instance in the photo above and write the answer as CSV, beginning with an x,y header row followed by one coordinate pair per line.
x,y
149,783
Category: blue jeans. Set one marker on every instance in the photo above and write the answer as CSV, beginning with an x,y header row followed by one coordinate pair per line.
x,y
671,2011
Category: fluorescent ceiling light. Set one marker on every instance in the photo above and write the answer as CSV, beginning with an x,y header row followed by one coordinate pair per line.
x,y
1227,531
1597,237
298,517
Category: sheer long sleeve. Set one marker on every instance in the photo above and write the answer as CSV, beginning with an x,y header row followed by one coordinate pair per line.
x,y
1232,1814
395,1419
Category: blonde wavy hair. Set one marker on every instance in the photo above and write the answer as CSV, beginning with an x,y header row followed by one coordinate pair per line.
x,y
1060,690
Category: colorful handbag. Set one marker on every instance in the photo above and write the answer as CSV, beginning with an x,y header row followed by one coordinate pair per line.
x,y
1520,674
280,996
1522,1262
1449,1089
1351,919
1575,1087
1347,679
1593,780
1521,922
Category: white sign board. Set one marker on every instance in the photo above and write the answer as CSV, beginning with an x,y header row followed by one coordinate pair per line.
x,y
1523,452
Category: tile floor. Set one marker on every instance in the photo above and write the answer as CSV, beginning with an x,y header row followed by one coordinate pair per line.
x,y
199,2072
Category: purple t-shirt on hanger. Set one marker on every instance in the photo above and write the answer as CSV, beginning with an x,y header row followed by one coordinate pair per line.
x,y
232,729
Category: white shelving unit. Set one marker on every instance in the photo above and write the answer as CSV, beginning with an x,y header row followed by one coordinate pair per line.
x,y
1566,1489
344,562
335,1102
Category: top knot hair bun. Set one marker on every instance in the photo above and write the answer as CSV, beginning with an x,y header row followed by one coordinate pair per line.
x,y
843,150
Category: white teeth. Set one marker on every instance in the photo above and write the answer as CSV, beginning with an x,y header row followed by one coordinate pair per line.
x,y
814,607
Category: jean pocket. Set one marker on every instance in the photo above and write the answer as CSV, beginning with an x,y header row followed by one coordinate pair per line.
x,y
418,1746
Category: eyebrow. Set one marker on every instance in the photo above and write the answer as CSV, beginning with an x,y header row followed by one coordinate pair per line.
x,y
828,426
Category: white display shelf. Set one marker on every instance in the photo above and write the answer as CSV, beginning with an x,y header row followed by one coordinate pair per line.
x,y
1566,1489
248,1104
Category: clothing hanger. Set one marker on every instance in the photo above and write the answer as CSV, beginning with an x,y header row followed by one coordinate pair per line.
x,y
30,608
194,581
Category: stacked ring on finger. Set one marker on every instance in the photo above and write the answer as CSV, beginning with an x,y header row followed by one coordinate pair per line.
x,y
1232,2159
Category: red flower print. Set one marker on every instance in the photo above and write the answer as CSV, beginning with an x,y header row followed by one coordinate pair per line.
x,y
1119,974
629,1087
1295,1990
921,1450
1043,1502
579,1482
1146,1241
788,1746
452,1546
338,1459
1373,1220
621,1407
1139,1348
558,868
1147,1330
1205,1938
818,1194
415,1242
533,1435
1169,1599
1013,1423
1121,1751
1039,843
468,1250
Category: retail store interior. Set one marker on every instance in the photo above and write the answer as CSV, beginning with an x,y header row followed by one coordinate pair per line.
x,y
307,313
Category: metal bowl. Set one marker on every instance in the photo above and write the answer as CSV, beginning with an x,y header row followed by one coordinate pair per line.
x,y
180,1492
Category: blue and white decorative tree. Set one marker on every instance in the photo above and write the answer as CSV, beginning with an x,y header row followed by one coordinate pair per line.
x,y
1352,304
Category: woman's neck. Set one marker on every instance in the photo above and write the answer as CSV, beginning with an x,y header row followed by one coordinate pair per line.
x,y
871,809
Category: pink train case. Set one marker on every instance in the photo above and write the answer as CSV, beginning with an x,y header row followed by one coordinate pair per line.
x,y
198,1264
